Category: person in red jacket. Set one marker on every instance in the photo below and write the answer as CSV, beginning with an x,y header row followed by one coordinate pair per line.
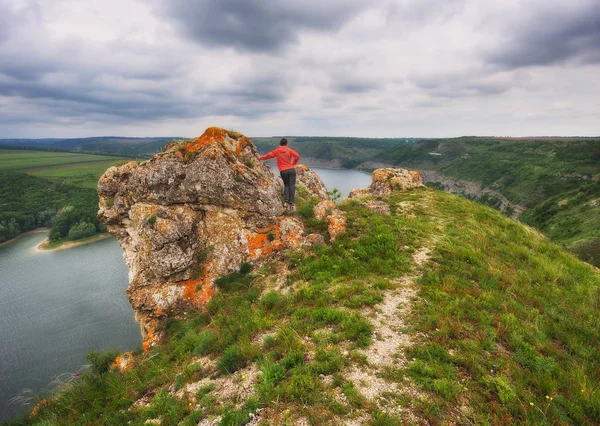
x,y
286,160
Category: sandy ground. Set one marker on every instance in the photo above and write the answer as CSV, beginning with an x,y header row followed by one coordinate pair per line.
x,y
71,244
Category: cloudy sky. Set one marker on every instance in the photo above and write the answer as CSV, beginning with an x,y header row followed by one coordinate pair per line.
x,y
380,68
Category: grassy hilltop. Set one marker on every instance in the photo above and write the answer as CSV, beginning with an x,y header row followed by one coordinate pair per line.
x,y
444,311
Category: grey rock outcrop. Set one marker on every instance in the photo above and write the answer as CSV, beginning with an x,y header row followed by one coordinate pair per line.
x,y
195,212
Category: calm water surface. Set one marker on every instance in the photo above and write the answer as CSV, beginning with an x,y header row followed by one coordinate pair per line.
x,y
54,308
344,180
57,306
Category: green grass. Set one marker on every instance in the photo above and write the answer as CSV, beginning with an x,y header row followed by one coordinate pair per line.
x,y
82,170
506,330
512,325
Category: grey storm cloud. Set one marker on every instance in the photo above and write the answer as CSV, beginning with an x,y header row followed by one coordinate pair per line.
x,y
72,81
349,84
262,87
466,83
551,33
257,25
88,96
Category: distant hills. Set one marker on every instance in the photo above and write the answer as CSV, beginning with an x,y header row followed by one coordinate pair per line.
x,y
113,145
551,183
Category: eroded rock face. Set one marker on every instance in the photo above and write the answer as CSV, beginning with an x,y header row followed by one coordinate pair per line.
x,y
384,181
193,213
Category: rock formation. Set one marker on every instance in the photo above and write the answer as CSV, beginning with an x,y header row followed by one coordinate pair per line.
x,y
384,181
336,220
196,211
311,181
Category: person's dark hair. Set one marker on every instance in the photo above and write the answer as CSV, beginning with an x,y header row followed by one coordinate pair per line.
x,y
283,142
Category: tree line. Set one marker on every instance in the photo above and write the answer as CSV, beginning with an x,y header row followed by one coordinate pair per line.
x,y
29,202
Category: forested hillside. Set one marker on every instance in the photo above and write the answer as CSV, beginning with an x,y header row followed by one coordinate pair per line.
x,y
29,202
131,147
525,171
50,189
346,152
557,180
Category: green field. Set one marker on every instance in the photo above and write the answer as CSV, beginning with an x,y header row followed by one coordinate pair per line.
x,y
82,170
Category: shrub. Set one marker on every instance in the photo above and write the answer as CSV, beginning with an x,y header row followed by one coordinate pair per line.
x,y
245,268
100,362
231,360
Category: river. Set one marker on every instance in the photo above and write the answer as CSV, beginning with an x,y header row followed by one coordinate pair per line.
x,y
56,306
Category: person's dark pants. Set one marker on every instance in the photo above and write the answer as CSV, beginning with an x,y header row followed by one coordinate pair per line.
x,y
289,184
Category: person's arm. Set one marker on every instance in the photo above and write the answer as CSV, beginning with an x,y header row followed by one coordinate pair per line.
x,y
296,156
267,156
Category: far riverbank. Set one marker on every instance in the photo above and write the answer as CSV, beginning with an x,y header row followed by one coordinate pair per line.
x,y
24,234
47,245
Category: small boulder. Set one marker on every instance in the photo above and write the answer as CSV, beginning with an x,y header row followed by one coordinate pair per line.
x,y
384,181
311,181
336,220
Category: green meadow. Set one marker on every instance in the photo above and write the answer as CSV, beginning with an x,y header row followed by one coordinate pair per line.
x,y
82,170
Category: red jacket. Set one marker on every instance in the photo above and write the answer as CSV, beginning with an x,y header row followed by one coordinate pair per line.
x,y
286,157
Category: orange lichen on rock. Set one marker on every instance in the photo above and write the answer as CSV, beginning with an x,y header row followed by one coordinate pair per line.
x,y
324,208
337,225
264,242
214,135
198,291
123,362
151,338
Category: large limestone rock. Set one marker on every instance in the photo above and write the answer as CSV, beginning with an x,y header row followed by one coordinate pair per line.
x,y
193,213
384,181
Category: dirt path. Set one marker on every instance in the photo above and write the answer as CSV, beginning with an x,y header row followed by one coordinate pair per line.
x,y
390,342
